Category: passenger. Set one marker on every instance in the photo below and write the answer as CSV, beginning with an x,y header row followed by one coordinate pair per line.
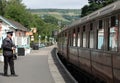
x,y
115,38
116,32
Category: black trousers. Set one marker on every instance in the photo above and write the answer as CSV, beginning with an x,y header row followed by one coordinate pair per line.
x,y
8,60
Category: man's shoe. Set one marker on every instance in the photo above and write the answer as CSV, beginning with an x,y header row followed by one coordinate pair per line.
x,y
6,75
14,75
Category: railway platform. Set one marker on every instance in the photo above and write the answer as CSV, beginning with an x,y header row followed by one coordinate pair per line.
x,y
40,66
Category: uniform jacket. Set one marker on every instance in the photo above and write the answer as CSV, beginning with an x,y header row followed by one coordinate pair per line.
x,y
7,47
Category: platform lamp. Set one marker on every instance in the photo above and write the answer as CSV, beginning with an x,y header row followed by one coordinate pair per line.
x,y
39,40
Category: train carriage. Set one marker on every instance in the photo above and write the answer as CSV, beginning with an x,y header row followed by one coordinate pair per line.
x,y
93,43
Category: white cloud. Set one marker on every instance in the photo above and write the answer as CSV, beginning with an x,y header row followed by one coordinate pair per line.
x,y
63,4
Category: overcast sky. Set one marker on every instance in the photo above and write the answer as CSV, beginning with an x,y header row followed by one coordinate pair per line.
x,y
60,4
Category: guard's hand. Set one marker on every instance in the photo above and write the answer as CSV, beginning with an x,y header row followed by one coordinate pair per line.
x,y
13,48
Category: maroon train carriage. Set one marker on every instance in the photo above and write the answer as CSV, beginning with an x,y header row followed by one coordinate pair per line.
x,y
93,43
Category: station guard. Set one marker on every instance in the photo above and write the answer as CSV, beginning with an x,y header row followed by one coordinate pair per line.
x,y
8,48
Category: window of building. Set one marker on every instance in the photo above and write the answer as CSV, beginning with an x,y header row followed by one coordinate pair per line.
x,y
91,41
84,37
100,35
113,34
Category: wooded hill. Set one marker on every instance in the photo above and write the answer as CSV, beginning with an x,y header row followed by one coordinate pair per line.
x,y
64,15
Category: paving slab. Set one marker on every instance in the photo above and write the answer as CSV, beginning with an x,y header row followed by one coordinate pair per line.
x,y
40,66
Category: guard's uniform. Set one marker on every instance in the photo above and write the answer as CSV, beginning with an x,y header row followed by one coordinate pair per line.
x,y
8,55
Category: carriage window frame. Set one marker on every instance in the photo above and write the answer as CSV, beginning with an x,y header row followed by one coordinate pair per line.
x,y
71,38
113,33
91,36
84,37
74,37
78,37
100,35
65,38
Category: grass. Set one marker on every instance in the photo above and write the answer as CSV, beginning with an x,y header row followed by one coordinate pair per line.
x,y
57,15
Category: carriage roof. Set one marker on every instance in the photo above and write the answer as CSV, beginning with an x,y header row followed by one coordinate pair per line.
x,y
101,12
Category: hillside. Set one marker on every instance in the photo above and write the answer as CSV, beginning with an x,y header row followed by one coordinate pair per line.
x,y
64,15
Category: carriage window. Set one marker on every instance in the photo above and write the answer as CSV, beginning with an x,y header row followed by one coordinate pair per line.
x,y
71,39
113,34
78,39
91,44
62,39
74,38
65,39
84,37
100,35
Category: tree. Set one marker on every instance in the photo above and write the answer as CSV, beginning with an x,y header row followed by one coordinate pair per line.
x,y
15,10
94,5
50,19
96,1
3,4
85,10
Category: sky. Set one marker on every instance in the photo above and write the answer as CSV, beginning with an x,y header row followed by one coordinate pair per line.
x,y
59,4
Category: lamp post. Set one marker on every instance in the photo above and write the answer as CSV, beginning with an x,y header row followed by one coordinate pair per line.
x,y
50,40
39,40
46,40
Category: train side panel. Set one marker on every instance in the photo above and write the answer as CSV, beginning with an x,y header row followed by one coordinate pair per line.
x,y
84,59
73,56
102,65
116,67
64,50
